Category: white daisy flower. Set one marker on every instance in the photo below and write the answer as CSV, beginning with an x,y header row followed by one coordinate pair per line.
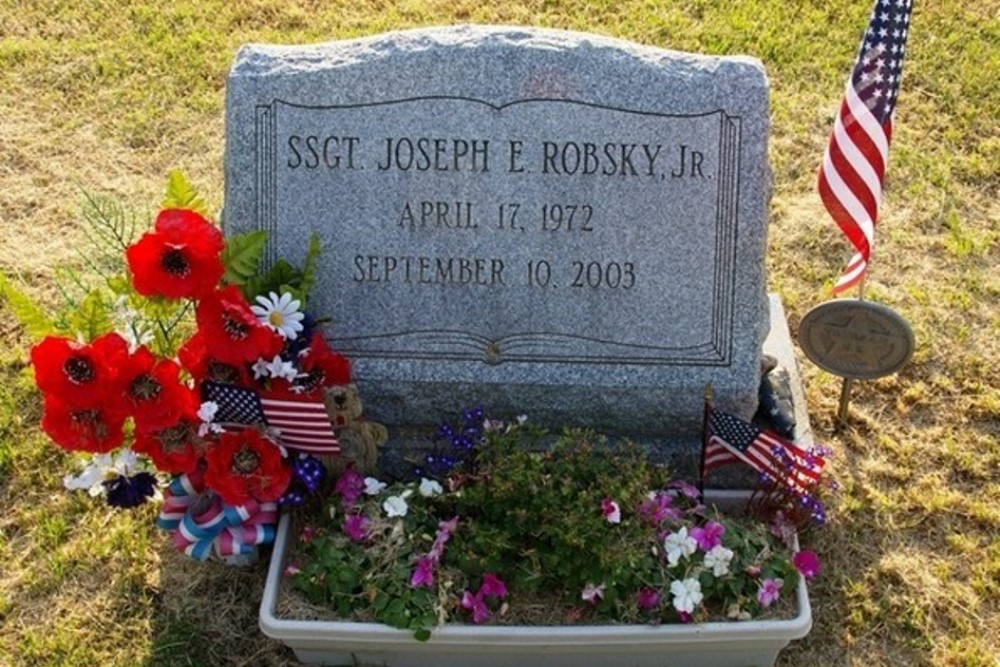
x,y
280,313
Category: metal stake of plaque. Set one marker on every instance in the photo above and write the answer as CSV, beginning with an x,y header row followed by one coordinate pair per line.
x,y
845,389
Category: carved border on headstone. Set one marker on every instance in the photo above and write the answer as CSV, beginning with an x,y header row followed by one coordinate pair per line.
x,y
532,346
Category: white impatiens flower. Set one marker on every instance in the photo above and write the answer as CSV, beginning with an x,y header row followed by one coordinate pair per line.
x,y
679,544
280,313
718,560
395,506
373,487
430,488
687,595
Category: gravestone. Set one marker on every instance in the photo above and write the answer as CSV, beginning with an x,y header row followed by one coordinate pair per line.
x,y
535,221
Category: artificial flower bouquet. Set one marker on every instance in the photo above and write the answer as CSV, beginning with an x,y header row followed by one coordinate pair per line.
x,y
188,368
502,525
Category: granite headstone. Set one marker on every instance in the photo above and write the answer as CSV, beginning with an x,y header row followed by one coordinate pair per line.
x,y
536,221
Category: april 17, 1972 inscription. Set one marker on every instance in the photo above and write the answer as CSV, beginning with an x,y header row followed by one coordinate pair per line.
x,y
545,224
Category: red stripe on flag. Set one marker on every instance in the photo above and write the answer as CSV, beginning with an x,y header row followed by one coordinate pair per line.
x,y
302,425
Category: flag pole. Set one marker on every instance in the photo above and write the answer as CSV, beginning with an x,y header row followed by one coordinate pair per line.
x,y
704,442
845,389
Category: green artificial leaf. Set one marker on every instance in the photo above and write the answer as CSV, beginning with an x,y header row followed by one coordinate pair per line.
x,y
422,634
181,194
31,317
296,293
241,258
309,268
91,318
112,226
282,277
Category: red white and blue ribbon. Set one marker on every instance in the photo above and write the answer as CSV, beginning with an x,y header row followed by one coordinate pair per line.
x,y
200,522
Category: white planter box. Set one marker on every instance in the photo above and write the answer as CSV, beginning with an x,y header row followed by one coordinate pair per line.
x,y
736,644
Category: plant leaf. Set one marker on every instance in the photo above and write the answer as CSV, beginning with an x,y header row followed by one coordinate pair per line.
x,y
91,318
181,194
31,317
241,258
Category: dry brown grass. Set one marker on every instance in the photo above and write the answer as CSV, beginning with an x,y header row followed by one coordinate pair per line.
x,y
110,96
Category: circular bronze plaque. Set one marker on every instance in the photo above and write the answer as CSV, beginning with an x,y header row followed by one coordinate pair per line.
x,y
855,339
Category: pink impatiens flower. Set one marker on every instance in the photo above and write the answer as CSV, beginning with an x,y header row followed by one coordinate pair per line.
x,y
492,585
592,593
476,604
350,485
649,598
770,591
423,574
657,508
807,563
708,536
356,527
686,488
611,511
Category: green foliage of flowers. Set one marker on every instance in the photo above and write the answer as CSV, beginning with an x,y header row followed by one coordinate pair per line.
x,y
592,532
536,513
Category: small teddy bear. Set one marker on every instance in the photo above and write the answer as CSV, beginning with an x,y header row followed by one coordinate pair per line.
x,y
359,438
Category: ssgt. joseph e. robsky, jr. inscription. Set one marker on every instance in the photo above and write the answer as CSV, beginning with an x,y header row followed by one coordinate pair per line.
x,y
513,222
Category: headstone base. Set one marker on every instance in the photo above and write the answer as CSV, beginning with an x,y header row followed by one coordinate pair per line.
x,y
408,445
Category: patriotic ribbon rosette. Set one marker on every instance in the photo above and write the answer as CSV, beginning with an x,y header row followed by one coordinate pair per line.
x,y
233,412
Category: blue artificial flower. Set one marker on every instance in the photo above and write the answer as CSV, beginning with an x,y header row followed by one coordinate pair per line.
x,y
124,491
307,476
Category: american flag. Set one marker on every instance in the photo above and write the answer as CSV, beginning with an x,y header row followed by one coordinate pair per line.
x,y
301,423
732,440
853,169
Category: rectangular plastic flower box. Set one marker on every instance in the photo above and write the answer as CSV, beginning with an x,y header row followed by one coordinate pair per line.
x,y
717,644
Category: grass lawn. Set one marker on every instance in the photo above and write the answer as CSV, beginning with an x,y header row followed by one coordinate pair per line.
x,y
110,96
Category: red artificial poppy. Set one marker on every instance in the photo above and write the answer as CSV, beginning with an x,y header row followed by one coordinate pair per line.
x,y
322,367
246,465
80,375
179,259
97,429
194,358
153,392
175,449
231,331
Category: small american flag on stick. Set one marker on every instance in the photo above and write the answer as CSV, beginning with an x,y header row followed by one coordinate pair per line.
x,y
301,423
854,165
733,440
